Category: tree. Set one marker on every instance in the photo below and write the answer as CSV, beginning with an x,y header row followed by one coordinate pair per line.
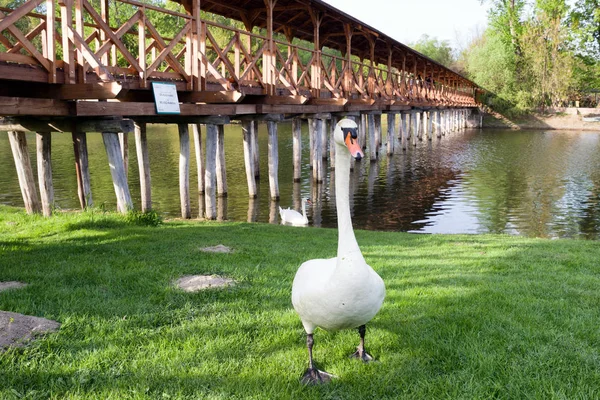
x,y
585,24
437,50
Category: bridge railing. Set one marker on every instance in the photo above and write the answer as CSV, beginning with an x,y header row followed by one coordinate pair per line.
x,y
70,41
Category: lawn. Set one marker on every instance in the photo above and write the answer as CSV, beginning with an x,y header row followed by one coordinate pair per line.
x,y
470,317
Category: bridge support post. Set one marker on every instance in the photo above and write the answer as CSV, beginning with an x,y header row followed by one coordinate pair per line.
x,y
430,116
297,148
124,142
333,122
438,124
255,150
221,171
117,171
44,166
415,129
210,172
184,171
324,139
311,139
377,118
141,146
425,123
273,160
82,169
247,127
318,150
18,144
362,134
391,133
372,144
405,121
197,135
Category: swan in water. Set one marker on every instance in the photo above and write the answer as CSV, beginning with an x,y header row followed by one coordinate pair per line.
x,y
341,292
293,217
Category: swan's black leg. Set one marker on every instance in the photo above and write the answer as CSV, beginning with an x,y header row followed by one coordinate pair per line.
x,y
360,350
313,376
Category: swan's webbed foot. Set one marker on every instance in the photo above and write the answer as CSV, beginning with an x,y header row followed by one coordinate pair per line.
x,y
362,355
313,376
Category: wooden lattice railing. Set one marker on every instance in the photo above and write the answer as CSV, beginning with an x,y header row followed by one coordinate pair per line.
x,y
70,41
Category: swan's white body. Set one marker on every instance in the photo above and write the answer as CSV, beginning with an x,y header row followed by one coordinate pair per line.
x,y
293,217
341,292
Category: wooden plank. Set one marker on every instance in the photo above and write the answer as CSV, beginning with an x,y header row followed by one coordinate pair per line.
x,y
184,170
44,169
98,90
391,133
210,178
113,152
255,150
220,165
247,128
273,160
372,144
18,144
211,97
28,106
94,108
141,146
124,142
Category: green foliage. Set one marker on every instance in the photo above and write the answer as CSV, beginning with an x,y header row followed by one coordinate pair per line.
x,y
585,25
437,50
148,218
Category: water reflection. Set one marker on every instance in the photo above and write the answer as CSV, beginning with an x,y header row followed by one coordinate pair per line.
x,y
543,184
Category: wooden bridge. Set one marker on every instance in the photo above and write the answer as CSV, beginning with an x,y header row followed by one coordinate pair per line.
x,y
89,66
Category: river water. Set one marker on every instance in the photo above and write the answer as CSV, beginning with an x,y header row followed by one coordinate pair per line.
x,y
531,183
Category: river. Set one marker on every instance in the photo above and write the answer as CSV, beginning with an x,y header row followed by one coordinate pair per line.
x,y
531,183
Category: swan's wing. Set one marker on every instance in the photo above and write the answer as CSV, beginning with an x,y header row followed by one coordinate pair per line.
x,y
290,215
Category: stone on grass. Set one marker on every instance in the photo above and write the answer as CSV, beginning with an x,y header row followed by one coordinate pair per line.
x,y
17,329
11,285
194,283
216,249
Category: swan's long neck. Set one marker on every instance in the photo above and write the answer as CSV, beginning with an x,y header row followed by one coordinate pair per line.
x,y
346,240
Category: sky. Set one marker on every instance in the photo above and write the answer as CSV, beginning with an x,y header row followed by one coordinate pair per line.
x,y
456,21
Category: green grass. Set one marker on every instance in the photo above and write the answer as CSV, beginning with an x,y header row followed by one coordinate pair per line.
x,y
469,317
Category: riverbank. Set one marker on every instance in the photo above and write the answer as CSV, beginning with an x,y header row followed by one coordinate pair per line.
x,y
561,119
465,316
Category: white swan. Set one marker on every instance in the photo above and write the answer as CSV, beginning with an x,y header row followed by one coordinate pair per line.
x,y
341,292
293,217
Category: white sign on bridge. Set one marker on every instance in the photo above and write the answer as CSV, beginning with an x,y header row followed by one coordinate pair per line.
x,y
165,98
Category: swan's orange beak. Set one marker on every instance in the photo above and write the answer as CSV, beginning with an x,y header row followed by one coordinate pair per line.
x,y
351,141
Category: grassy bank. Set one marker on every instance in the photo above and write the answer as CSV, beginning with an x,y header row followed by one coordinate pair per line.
x,y
464,317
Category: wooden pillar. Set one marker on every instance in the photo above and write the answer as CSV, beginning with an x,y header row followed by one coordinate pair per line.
x,y
273,160
324,138
317,161
377,118
297,148
312,123
332,125
269,52
197,134
221,170
362,134
124,142
372,144
141,147
247,127
44,170
84,189
255,150
113,152
405,128
184,170
438,123
210,178
391,133
429,125
18,144
415,127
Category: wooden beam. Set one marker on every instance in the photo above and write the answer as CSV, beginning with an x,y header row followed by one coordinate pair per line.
x,y
18,144
184,171
273,160
28,124
141,146
210,177
117,172
84,187
297,148
220,164
211,97
247,128
44,169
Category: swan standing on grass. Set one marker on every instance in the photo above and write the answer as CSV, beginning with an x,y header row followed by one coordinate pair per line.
x,y
341,292
293,217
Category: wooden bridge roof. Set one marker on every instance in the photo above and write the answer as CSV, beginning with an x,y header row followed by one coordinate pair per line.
x,y
293,17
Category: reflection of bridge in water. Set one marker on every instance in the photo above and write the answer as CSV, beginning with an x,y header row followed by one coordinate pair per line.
x,y
72,66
